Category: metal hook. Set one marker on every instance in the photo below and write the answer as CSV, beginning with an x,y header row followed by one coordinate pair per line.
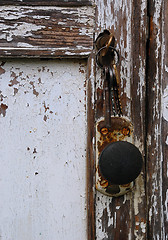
x,y
107,47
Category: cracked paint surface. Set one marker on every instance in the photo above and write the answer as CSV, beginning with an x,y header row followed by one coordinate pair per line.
x,y
43,150
25,30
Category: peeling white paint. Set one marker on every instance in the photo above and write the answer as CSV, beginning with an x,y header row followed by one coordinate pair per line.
x,y
92,78
24,45
43,150
15,12
149,140
167,140
150,214
166,68
166,206
88,11
138,194
143,227
24,29
22,26
164,109
165,103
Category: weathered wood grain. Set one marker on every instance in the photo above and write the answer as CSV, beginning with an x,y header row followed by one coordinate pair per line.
x,y
125,217
46,31
157,142
47,2
90,148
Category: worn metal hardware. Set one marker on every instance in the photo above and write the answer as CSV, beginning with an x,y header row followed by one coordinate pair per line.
x,y
121,130
106,52
105,56
118,160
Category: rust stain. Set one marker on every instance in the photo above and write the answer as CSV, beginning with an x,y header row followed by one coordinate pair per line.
x,y
14,81
15,91
2,96
45,107
82,67
2,71
126,131
34,90
126,185
104,131
137,218
45,118
104,183
151,28
121,130
3,108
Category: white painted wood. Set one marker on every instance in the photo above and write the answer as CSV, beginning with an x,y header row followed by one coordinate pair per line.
x,y
46,31
43,150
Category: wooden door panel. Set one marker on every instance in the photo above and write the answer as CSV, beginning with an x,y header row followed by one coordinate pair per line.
x,y
43,149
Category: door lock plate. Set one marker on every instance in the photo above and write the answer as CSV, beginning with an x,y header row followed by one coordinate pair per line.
x,y
121,130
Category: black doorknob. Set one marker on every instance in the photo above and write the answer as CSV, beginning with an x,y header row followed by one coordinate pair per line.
x,y
120,162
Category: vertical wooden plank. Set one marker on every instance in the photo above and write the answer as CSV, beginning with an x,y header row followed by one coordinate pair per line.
x,y
90,148
125,217
157,144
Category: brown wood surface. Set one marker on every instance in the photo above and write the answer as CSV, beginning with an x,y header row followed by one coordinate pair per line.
x,y
90,148
46,31
124,217
157,117
47,2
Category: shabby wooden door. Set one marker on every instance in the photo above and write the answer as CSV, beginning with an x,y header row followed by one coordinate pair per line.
x,y
49,108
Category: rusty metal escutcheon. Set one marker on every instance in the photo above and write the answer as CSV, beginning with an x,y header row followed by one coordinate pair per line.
x,y
121,130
